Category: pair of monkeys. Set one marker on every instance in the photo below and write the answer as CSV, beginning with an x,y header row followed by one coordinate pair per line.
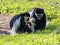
x,y
30,21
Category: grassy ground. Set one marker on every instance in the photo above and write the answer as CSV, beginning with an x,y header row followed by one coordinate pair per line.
x,y
49,36
38,38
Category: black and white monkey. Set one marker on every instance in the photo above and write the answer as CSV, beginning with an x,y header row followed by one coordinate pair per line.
x,y
40,18
20,23
35,19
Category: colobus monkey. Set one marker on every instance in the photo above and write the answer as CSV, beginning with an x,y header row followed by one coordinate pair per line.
x,y
20,23
40,18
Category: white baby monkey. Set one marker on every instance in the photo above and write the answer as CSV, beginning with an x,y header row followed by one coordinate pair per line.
x,y
31,24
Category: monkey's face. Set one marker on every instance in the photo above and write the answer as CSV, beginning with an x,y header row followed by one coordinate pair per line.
x,y
39,16
39,13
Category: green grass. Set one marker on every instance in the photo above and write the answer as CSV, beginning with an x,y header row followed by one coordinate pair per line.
x,y
31,39
12,7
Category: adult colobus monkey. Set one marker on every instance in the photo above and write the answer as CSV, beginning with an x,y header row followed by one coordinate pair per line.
x,y
40,18
20,23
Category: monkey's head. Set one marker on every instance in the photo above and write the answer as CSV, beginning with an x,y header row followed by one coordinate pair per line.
x,y
37,12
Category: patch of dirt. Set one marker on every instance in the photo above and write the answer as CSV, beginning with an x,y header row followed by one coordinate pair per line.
x,y
4,22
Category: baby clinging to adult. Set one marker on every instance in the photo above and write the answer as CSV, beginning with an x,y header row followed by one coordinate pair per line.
x,y
31,24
